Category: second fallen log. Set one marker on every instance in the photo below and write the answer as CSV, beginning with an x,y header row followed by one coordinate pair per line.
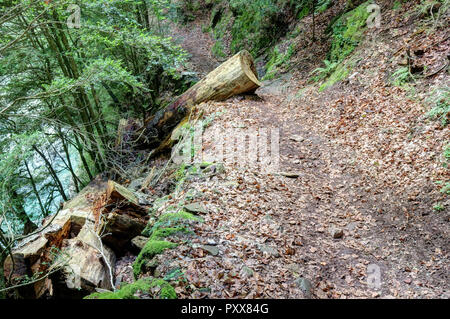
x,y
235,76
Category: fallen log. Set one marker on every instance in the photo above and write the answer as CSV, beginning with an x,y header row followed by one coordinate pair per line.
x,y
235,76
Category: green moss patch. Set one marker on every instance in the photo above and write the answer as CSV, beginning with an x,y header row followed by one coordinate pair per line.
x,y
162,233
218,49
348,32
173,218
145,285
150,250
254,25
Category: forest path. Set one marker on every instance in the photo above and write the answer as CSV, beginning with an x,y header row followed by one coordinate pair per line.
x,y
326,233
198,44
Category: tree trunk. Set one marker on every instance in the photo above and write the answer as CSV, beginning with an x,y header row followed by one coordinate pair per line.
x,y
35,191
52,173
235,76
90,229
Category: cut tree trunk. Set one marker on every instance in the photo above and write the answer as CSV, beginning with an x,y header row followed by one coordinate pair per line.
x,y
235,76
71,242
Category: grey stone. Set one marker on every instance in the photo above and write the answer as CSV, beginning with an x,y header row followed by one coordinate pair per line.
x,y
139,241
196,208
297,138
143,199
289,174
295,268
213,250
136,184
246,272
214,169
337,233
272,251
305,286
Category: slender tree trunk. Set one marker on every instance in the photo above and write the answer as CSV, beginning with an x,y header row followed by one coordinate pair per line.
x,y
52,173
28,225
69,161
35,191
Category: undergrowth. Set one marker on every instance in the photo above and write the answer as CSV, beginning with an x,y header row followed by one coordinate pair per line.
x,y
347,33
440,101
277,60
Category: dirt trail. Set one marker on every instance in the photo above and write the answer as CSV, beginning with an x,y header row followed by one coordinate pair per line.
x,y
197,44
320,235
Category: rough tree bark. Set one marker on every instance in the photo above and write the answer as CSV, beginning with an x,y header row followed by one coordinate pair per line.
x,y
81,258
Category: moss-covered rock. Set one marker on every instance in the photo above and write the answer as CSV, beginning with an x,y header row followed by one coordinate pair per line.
x,y
144,286
348,31
253,25
173,218
150,250
162,233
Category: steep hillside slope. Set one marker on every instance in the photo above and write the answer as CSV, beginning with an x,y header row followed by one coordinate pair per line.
x,y
362,188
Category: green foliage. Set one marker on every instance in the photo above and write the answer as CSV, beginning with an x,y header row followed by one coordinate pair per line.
x,y
340,72
446,185
218,49
277,60
302,8
64,90
144,286
175,274
173,218
171,222
324,72
347,32
446,188
180,173
397,5
439,207
323,5
255,26
447,152
401,77
440,99
13,181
